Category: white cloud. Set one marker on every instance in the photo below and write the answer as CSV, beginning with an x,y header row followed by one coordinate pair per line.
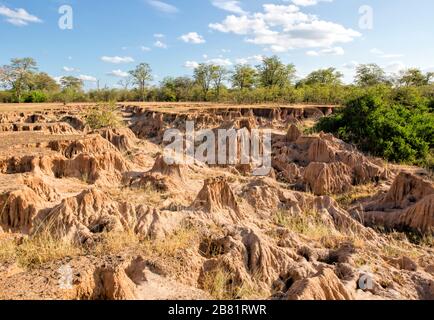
x,y
192,37
284,27
392,55
18,17
250,60
229,5
335,51
306,3
145,49
241,61
220,62
117,60
87,78
350,65
376,51
160,44
163,6
118,73
384,55
395,67
68,69
191,64
159,35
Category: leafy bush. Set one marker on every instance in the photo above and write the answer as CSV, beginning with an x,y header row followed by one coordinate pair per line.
x,y
35,97
103,116
385,127
6,97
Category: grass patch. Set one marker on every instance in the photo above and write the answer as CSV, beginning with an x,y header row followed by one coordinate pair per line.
x,y
114,243
219,283
146,194
182,239
44,248
7,250
357,193
399,246
309,223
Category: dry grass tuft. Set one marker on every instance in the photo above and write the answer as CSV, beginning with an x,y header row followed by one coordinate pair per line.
x,y
357,193
184,238
114,243
7,250
44,248
309,223
219,283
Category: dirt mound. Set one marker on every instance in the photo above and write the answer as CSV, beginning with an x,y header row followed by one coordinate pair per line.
x,y
94,168
103,169
293,133
19,208
322,157
41,187
122,138
408,205
162,177
174,171
77,218
93,144
419,217
341,219
249,256
266,198
150,125
216,196
248,123
324,178
325,285
406,190
50,128
148,222
75,122
110,278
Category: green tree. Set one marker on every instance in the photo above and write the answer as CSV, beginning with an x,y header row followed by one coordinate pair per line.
x,y
71,83
203,76
179,88
368,75
43,82
140,76
17,75
414,77
243,77
218,75
273,73
323,77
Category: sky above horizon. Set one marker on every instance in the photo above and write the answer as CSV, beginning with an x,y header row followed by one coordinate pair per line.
x,y
110,37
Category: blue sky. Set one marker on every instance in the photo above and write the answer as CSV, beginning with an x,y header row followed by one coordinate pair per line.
x,y
109,37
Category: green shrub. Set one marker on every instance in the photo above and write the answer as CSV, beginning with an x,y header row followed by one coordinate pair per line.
x,y
6,97
104,115
385,128
35,97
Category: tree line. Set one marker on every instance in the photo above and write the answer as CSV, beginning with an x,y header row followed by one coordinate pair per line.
x,y
270,81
